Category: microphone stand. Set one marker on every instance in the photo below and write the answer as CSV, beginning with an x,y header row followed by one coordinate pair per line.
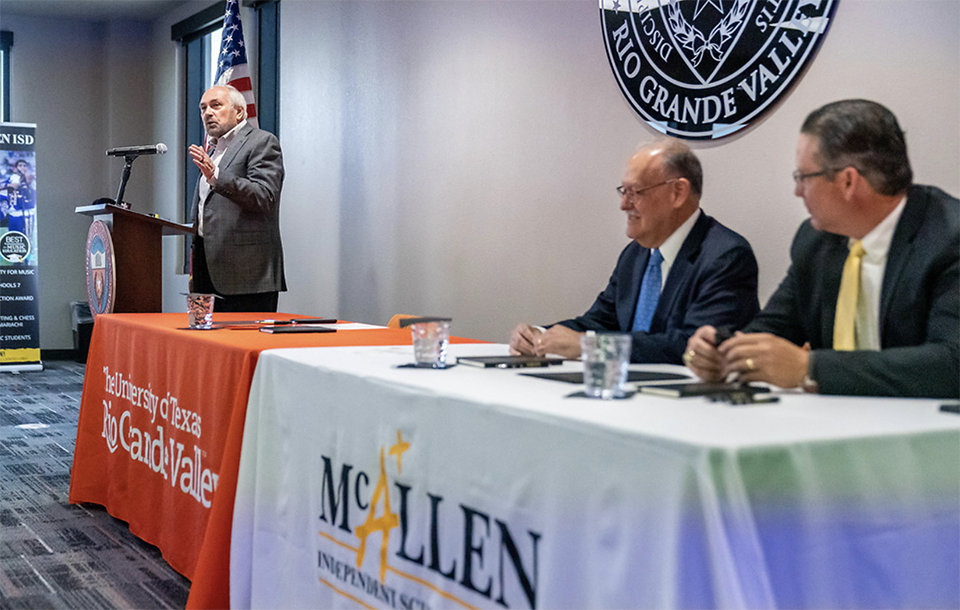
x,y
125,176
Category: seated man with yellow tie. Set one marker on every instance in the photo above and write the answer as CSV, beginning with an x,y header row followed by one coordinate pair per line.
x,y
871,303
682,270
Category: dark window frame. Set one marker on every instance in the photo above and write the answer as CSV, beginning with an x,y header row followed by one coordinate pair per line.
x,y
268,65
6,43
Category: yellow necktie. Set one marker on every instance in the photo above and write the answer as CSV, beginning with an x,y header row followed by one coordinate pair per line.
x,y
844,337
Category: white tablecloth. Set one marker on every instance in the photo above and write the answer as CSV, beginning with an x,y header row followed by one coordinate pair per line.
x,y
366,484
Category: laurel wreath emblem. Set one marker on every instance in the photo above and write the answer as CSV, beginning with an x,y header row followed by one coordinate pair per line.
x,y
691,38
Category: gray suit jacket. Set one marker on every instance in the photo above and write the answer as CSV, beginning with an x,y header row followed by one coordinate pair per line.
x,y
241,216
919,305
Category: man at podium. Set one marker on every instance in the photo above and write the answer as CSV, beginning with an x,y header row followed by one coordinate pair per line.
x,y
237,252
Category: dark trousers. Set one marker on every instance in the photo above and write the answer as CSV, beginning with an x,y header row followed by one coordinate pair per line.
x,y
201,282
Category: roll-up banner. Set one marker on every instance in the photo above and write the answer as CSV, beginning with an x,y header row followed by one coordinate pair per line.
x,y
19,285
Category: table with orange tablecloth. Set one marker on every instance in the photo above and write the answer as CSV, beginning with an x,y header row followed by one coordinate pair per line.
x,y
160,430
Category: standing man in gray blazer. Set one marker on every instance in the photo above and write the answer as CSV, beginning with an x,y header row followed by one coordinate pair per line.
x,y
237,252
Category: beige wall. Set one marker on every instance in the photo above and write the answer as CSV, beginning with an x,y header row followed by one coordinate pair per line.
x,y
459,158
85,87
446,157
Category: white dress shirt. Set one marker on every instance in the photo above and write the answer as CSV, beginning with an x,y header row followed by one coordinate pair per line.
x,y
876,246
205,185
670,248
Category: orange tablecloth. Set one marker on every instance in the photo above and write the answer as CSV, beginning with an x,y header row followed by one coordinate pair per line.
x,y
160,431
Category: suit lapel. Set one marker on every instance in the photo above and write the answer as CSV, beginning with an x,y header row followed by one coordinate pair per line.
x,y
901,247
679,271
831,268
235,145
232,149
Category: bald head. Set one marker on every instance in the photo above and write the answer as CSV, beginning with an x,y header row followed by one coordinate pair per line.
x,y
660,191
677,161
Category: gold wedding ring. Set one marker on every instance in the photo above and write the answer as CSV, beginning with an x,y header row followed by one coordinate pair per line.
x,y
688,356
750,366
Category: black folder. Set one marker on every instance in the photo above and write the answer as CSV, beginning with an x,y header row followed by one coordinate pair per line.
x,y
298,328
508,362
635,376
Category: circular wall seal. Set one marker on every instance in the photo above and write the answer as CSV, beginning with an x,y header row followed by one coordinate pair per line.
x,y
699,69
14,247
101,270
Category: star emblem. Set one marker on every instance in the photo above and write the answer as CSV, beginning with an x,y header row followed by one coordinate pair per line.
x,y
398,450
702,4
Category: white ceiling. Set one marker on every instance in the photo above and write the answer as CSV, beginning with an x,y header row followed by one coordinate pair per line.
x,y
96,10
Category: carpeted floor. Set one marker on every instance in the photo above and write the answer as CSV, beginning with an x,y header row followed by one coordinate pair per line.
x,y
54,554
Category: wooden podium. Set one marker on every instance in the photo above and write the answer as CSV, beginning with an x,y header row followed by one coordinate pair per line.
x,y
137,256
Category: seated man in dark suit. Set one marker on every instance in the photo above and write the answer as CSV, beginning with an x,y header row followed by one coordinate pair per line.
x,y
871,302
682,270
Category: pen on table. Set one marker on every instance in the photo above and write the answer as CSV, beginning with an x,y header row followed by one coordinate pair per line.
x,y
299,321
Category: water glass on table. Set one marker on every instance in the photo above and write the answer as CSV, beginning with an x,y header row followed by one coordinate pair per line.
x,y
200,310
430,339
606,358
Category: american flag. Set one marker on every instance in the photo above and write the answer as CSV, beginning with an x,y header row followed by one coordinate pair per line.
x,y
232,67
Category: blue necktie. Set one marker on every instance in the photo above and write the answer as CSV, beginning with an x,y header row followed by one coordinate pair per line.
x,y
649,292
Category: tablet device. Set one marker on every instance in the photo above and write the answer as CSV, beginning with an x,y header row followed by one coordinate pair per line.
x,y
508,362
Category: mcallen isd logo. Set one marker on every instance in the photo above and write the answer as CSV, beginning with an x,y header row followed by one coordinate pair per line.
x,y
431,547
707,68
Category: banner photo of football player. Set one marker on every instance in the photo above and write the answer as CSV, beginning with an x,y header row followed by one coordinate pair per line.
x,y
19,286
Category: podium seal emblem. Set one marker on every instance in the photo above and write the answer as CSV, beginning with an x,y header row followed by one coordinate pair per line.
x,y
702,69
101,269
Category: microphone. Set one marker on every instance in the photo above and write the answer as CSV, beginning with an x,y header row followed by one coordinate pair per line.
x,y
126,151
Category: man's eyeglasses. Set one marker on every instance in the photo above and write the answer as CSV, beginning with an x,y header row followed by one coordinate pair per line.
x,y
632,194
799,177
